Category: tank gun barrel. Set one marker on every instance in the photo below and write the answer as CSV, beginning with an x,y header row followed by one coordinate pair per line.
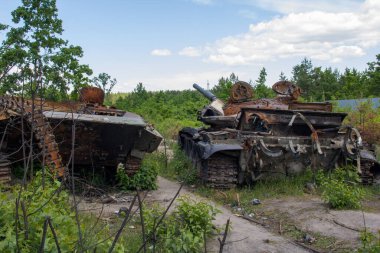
x,y
206,93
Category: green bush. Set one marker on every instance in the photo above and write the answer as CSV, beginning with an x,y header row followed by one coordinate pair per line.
x,y
40,202
185,229
340,189
182,167
370,242
146,177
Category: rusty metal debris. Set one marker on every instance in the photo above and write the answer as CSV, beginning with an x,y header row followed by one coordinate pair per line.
x,y
103,138
249,139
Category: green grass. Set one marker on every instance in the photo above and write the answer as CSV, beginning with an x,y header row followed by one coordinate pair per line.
x,y
179,167
264,189
322,242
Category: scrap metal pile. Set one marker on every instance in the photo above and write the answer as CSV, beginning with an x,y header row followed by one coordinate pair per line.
x,y
248,139
86,133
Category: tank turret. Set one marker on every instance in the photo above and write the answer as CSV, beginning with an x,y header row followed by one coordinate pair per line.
x,y
91,95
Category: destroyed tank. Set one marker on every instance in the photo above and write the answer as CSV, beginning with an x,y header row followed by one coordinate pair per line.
x,y
248,140
93,137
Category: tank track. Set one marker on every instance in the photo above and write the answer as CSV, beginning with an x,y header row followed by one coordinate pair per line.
x,y
5,170
42,131
220,171
132,165
367,176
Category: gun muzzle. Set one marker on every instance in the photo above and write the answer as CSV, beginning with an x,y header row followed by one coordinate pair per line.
x,y
206,93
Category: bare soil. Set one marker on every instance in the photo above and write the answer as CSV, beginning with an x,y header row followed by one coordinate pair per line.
x,y
245,236
266,230
311,215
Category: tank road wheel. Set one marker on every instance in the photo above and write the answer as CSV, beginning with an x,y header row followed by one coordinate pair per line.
x,y
220,171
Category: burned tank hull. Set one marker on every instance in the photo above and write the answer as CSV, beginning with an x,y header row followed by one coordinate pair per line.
x,y
268,138
89,136
103,141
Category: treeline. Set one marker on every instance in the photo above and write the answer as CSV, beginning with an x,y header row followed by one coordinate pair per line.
x,y
317,83
168,110
171,110
320,84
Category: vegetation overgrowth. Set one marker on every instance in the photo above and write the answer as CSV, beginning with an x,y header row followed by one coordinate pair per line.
x,y
145,177
24,212
340,188
370,242
185,229
366,118
35,61
180,168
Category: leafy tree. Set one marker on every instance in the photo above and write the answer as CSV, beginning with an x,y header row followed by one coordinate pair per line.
x,y
223,88
105,82
324,83
374,77
282,77
44,63
261,90
302,76
352,84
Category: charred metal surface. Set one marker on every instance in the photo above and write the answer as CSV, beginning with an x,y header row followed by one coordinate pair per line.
x,y
241,92
104,137
254,139
220,171
91,95
41,128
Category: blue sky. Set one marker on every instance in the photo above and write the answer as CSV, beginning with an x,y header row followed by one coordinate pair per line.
x,y
169,44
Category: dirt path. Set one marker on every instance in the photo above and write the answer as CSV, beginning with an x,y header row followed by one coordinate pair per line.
x,y
244,236
311,214
307,213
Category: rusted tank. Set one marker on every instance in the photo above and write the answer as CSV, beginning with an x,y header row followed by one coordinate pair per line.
x,y
249,139
93,137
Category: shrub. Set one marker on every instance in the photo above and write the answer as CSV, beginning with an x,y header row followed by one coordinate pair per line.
x,y
185,229
182,167
370,242
40,202
145,178
340,189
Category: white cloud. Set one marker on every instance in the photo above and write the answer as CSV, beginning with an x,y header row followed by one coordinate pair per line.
x,y
296,6
179,81
320,35
190,52
161,52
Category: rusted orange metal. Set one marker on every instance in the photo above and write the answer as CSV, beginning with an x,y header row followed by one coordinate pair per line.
x,y
93,95
103,136
253,139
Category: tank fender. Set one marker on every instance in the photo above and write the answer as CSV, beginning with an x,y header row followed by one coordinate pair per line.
x,y
206,149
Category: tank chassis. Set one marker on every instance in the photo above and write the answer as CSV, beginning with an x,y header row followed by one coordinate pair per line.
x,y
248,140
95,137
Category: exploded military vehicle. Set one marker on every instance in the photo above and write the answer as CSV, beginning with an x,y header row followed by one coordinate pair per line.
x,y
247,140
